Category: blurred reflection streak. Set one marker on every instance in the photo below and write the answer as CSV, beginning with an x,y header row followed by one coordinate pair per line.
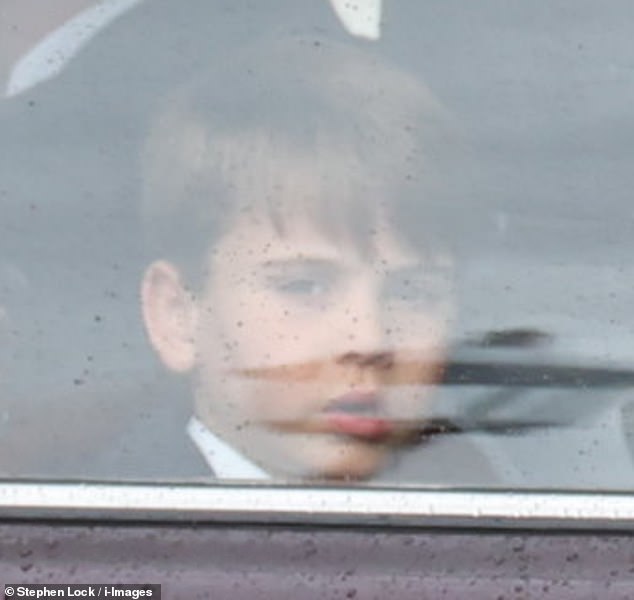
x,y
389,370
476,418
536,375
416,430
409,372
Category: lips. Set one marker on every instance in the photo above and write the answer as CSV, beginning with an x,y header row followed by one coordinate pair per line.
x,y
357,414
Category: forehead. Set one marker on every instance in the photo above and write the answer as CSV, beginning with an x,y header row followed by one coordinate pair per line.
x,y
254,241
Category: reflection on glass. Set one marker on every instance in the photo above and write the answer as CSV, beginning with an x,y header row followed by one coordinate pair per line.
x,y
389,245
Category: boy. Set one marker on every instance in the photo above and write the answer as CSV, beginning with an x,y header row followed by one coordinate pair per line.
x,y
294,205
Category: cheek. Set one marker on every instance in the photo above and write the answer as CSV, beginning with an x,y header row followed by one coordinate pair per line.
x,y
284,401
427,331
259,330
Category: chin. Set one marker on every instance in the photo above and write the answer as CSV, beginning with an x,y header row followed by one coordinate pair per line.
x,y
356,462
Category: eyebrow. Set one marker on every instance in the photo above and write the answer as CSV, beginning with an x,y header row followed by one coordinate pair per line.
x,y
334,263
311,262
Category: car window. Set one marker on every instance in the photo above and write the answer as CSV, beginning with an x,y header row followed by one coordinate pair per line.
x,y
314,244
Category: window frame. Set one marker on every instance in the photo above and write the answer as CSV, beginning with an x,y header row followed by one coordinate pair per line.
x,y
317,506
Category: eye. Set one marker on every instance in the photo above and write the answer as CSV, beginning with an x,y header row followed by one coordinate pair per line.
x,y
302,287
305,284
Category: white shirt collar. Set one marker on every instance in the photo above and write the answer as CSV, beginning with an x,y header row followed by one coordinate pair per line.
x,y
223,460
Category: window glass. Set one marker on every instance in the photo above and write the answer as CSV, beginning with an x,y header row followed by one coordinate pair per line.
x,y
291,241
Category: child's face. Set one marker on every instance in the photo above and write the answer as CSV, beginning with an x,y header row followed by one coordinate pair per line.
x,y
311,358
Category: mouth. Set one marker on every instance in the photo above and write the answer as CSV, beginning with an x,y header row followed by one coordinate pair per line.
x,y
358,414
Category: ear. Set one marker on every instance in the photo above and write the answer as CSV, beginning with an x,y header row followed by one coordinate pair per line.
x,y
170,314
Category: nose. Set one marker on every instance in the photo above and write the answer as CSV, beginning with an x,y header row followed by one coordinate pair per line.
x,y
365,341
377,360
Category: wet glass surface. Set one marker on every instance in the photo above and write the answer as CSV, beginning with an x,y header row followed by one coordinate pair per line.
x,y
284,242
